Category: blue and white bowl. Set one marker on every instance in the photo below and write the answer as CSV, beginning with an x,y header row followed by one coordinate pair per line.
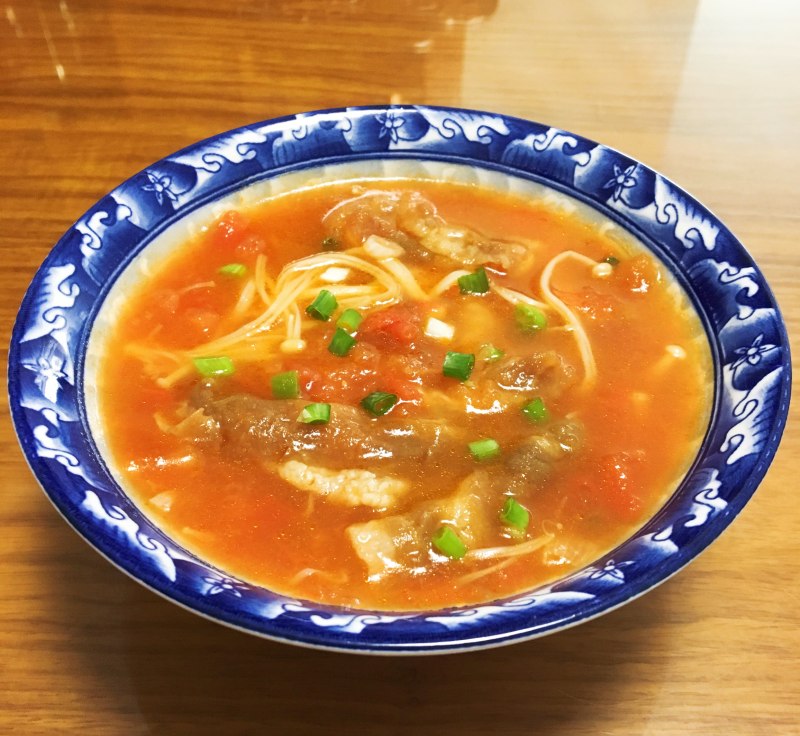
x,y
48,359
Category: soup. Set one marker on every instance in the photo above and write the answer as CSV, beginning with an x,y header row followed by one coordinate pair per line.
x,y
403,395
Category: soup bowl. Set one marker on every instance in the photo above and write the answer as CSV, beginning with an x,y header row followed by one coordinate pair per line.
x,y
52,363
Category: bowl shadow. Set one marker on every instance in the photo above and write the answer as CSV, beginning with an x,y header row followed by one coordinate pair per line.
x,y
186,675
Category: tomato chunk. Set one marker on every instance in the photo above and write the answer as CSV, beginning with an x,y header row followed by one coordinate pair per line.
x,y
404,389
616,486
638,274
609,491
590,302
230,229
346,385
251,244
365,370
201,322
393,329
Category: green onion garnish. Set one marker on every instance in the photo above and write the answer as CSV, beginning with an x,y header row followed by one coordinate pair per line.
x,y
330,243
210,367
489,353
474,283
315,414
515,515
341,342
484,449
323,306
613,260
349,320
458,365
536,411
286,385
449,543
233,269
379,402
530,318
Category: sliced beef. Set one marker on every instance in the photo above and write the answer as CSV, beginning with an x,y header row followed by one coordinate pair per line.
x,y
532,460
270,430
545,372
351,222
417,216
403,540
348,487
411,221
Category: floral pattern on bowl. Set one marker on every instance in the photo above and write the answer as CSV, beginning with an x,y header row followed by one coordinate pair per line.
x,y
747,334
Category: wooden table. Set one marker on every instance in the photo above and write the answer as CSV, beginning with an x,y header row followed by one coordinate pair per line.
x,y
706,92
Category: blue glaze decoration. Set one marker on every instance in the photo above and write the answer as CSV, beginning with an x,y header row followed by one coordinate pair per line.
x,y
748,337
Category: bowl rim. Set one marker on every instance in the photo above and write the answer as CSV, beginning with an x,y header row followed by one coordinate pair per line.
x,y
723,280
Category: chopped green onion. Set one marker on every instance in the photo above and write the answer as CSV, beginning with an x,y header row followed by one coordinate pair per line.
x,y
323,306
379,402
474,283
315,414
218,366
613,260
330,243
536,411
514,514
233,269
286,385
341,342
484,449
349,320
530,318
489,353
458,365
449,543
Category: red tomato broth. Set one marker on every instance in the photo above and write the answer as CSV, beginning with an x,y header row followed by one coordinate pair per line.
x,y
258,527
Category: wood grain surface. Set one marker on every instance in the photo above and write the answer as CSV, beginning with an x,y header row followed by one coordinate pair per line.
x,y
706,92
